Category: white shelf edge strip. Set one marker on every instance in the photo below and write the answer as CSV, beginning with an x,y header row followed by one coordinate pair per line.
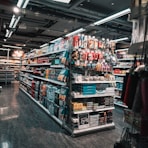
x,y
120,105
119,81
47,54
50,80
57,66
122,66
118,97
93,128
55,118
118,89
96,95
89,111
27,77
120,74
86,82
121,49
41,64
27,70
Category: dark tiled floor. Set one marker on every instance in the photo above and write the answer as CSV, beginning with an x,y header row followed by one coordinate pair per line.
x,y
25,125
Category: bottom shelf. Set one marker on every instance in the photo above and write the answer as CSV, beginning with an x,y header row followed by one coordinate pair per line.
x,y
42,107
73,132
90,129
120,104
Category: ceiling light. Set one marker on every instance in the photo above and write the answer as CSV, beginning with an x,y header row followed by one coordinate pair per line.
x,y
16,22
19,3
112,17
121,39
16,10
25,4
10,33
9,46
75,32
53,41
63,1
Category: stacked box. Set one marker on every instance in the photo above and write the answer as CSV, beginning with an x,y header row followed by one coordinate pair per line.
x,y
111,101
87,89
89,105
107,101
50,107
109,116
83,121
102,118
94,120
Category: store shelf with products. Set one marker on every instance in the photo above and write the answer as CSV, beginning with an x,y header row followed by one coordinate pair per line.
x,y
124,63
78,81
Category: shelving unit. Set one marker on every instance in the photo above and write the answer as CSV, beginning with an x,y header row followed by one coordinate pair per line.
x,y
51,85
9,67
125,62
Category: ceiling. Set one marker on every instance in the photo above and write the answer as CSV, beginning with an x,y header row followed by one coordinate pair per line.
x,y
45,20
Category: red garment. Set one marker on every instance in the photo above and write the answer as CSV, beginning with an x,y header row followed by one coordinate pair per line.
x,y
128,84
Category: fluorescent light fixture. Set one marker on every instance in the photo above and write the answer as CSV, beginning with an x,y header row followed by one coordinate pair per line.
x,y
12,21
121,39
44,45
75,32
10,33
9,46
16,10
53,41
19,3
16,22
25,4
7,33
63,1
112,17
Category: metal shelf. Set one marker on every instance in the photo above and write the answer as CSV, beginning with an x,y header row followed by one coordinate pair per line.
x,y
42,107
50,80
118,89
119,81
46,54
121,105
30,71
41,64
106,94
119,97
92,82
120,74
99,127
57,66
90,111
27,77
122,66
125,49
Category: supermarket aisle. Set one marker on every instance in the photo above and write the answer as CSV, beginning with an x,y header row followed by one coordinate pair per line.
x,y
25,125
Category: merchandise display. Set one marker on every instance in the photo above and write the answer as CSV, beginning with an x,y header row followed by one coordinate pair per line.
x,y
121,70
72,79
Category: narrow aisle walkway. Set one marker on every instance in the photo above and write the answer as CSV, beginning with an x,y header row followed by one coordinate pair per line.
x,y
25,125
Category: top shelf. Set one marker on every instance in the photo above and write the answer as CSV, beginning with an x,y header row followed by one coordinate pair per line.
x,y
58,51
125,49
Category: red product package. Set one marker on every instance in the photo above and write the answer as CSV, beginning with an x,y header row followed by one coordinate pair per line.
x,y
76,41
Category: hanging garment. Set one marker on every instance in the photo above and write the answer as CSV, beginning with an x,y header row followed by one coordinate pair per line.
x,y
124,86
131,89
137,104
144,94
